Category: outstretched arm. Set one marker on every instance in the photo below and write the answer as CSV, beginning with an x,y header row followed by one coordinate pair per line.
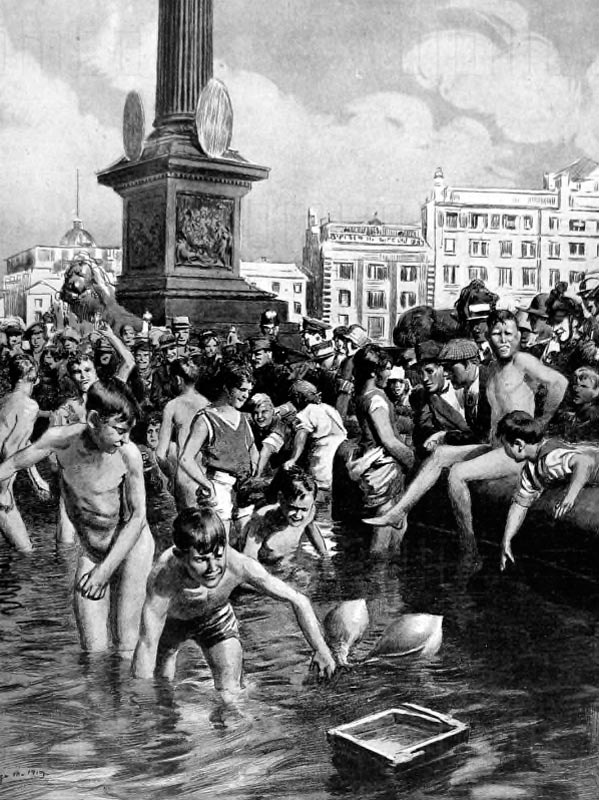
x,y
316,539
152,624
256,576
127,362
299,444
515,518
51,441
582,469
95,582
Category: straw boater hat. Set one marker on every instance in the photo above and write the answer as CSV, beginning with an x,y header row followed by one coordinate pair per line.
x,y
459,350
180,322
397,374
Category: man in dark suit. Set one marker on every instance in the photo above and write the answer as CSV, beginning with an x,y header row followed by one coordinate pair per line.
x,y
452,417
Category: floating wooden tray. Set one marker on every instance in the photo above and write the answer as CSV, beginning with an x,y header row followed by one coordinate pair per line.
x,y
400,738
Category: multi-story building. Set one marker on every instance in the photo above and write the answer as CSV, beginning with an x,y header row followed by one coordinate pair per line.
x,y
366,273
34,276
519,241
286,281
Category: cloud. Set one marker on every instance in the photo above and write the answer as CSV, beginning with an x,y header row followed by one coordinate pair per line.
x,y
379,154
511,75
43,139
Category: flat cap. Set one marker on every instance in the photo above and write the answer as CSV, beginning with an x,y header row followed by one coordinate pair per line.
x,y
316,325
459,350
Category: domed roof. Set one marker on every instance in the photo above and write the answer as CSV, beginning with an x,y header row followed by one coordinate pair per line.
x,y
77,236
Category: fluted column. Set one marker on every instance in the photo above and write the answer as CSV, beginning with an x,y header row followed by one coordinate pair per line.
x,y
184,63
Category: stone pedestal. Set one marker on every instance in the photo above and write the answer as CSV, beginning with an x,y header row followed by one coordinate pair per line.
x,y
181,209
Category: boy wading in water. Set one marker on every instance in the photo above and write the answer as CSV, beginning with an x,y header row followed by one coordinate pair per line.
x,y
18,413
547,463
103,490
188,598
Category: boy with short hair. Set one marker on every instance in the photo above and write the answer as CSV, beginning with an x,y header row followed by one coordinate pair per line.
x,y
103,490
275,531
188,598
177,418
18,412
547,462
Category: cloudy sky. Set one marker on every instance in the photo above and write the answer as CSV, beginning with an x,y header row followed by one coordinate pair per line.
x,y
352,103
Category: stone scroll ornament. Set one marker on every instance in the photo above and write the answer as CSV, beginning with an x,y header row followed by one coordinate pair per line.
x,y
214,119
133,126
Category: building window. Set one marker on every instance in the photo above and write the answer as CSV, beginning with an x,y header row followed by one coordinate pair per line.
x,y
376,299
297,308
344,298
506,249
504,276
576,277
477,273
597,225
38,302
407,299
553,223
377,272
376,327
345,271
528,249
576,248
450,273
479,221
44,255
275,287
527,223
343,319
554,249
554,277
495,219
577,225
479,248
297,288
451,220
450,246
408,274
509,222
529,277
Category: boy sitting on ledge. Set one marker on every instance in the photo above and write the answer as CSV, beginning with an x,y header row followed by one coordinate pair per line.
x,y
548,462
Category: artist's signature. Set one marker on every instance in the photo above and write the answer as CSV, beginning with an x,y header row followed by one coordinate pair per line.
x,y
20,774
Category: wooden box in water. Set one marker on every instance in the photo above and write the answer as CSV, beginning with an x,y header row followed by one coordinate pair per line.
x,y
400,738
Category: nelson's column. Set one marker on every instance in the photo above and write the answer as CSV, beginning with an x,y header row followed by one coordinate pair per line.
x,y
181,206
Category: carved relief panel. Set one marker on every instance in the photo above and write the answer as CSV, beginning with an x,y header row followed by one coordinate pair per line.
x,y
145,240
204,235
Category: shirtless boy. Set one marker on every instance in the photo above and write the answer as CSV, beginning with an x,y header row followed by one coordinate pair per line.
x,y
188,598
18,413
177,417
513,381
103,489
275,531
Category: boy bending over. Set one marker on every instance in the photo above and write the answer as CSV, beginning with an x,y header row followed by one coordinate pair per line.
x,y
188,598
547,462
103,490
275,531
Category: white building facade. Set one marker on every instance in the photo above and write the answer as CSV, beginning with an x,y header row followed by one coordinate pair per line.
x,y
34,276
285,280
366,273
520,242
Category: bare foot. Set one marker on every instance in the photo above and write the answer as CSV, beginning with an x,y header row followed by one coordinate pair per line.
x,y
394,517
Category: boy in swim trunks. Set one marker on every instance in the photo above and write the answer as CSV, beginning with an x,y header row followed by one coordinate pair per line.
x,y
547,462
103,490
188,598
275,531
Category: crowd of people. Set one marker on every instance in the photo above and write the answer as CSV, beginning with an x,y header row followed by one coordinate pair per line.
x,y
249,436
